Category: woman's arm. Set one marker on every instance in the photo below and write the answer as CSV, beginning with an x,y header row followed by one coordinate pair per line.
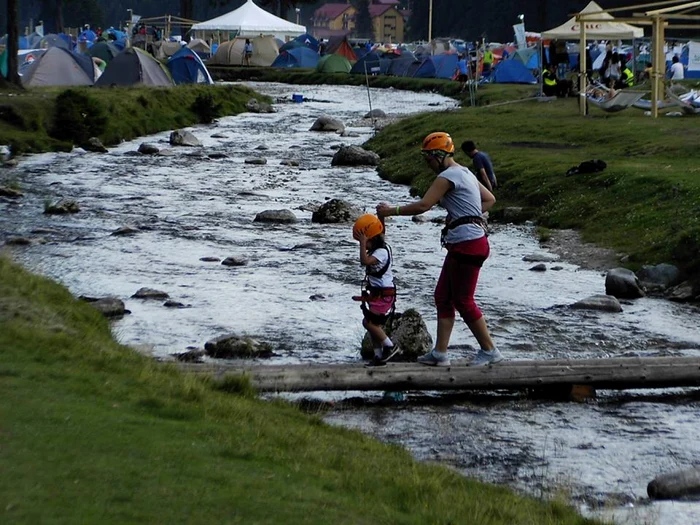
x,y
487,198
437,190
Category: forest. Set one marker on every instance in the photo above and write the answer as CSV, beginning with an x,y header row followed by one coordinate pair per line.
x,y
467,19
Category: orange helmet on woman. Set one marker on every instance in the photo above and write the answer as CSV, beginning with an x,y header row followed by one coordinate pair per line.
x,y
369,225
439,141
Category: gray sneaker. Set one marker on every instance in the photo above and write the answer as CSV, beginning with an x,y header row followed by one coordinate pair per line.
x,y
434,359
483,358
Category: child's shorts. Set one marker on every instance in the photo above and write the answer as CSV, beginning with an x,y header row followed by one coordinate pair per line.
x,y
377,310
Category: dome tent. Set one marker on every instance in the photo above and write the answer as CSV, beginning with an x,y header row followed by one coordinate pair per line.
x,y
265,51
333,64
297,57
134,66
59,67
186,67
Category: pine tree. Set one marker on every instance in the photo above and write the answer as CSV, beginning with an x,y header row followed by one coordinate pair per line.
x,y
12,42
363,20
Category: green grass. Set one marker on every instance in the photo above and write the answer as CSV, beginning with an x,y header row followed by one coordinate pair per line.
x,y
646,203
30,121
91,431
487,94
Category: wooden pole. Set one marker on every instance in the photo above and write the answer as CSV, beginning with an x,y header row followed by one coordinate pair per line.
x,y
583,80
658,65
613,373
430,21
12,43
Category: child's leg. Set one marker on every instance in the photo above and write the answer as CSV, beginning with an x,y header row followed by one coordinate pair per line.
x,y
376,333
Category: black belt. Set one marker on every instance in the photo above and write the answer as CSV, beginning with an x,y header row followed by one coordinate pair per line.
x,y
467,219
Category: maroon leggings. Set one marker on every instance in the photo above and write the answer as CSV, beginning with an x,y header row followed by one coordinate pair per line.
x,y
457,283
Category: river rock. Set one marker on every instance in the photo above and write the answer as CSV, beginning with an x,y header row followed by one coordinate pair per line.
x,y
326,123
175,304
276,216
234,346
94,145
219,136
5,153
407,330
262,147
289,162
10,192
12,163
167,152
62,207
193,355
623,284
684,292
661,276
216,155
255,106
209,259
675,485
601,303
126,230
234,261
540,258
354,156
375,113
182,137
541,267
512,215
148,149
420,218
335,211
256,160
107,306
150,293
18,241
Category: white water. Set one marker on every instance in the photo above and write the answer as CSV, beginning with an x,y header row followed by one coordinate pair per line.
x,y
190,206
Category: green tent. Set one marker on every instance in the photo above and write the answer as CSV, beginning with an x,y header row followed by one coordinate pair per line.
x,y
333,64
3,64
103,50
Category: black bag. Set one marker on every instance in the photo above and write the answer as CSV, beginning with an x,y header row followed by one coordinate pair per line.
x,y
588,166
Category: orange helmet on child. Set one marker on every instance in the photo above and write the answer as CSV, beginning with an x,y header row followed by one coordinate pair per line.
x,y
439,141
369,225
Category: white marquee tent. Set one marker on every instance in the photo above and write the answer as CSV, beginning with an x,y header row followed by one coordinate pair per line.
x,y
611,30
250,20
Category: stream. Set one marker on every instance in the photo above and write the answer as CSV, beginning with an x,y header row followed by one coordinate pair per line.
x,y
600,454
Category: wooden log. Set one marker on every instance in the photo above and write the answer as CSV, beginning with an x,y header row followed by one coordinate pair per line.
x,y
616,373
675,485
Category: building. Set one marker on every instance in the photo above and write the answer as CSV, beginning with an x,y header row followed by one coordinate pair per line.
x,y
338,19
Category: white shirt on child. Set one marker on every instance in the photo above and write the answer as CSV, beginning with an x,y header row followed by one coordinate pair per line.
x,y
386,280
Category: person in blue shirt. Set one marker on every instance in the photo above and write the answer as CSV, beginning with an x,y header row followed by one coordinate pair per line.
x,y
483,167
247,52
462,70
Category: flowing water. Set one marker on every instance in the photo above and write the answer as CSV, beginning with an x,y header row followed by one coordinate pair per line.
x,y
188,206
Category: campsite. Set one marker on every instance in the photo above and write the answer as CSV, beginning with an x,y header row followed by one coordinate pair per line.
x,y
137,176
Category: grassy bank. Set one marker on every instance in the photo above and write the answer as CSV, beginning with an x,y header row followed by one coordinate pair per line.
x,y
645,204
53,119
488,94
93,432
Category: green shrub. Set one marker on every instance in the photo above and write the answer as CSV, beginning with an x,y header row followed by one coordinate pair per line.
x,y
205,109
78,116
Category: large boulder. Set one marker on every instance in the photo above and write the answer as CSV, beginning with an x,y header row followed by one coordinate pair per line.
x,y
182,137
601,303
407,330
232,346
326,123
354,156
335,211
623,284
375,113
150,293
95,145
684,292
659,277
107,306
255,106
62,207
277,216
147,148
676,485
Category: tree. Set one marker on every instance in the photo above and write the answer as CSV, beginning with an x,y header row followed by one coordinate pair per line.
x,y
12,42
363,20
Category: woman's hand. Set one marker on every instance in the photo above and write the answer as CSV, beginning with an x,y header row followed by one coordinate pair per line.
x,y
384,209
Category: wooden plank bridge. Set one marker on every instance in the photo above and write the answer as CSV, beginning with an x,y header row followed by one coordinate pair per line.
x,y
606,373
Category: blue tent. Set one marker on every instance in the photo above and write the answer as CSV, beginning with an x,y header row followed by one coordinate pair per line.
x,y
400,67
372,63
308,41
187,68
513,72
87,36
438,66
53,40
297,57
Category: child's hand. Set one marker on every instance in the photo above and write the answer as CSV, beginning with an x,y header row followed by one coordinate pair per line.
x,y
360,237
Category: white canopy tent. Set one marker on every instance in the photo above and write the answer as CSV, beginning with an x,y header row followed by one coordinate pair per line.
x,y
249,20
571,30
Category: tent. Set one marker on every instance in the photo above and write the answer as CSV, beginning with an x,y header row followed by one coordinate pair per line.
x,y
308,41
292,44
512,72
265,51
186,67
53,40
251,20
103,50
611,30
369,62
438,66
298,57
59,67
165,49
134,66
339,45
403,67
528,56
3,63
200,47
333,64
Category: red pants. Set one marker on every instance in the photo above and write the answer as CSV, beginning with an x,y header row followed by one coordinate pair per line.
x,y
457,283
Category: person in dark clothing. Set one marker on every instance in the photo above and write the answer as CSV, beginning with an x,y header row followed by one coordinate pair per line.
x,y
552,86
483,167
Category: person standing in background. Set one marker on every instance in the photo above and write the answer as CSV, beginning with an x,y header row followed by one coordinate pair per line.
x,y
483,167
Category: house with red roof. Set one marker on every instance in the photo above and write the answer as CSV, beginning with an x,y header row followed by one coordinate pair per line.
x,y
338,19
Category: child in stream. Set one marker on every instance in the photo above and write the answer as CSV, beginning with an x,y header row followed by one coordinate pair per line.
x,y
379,293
